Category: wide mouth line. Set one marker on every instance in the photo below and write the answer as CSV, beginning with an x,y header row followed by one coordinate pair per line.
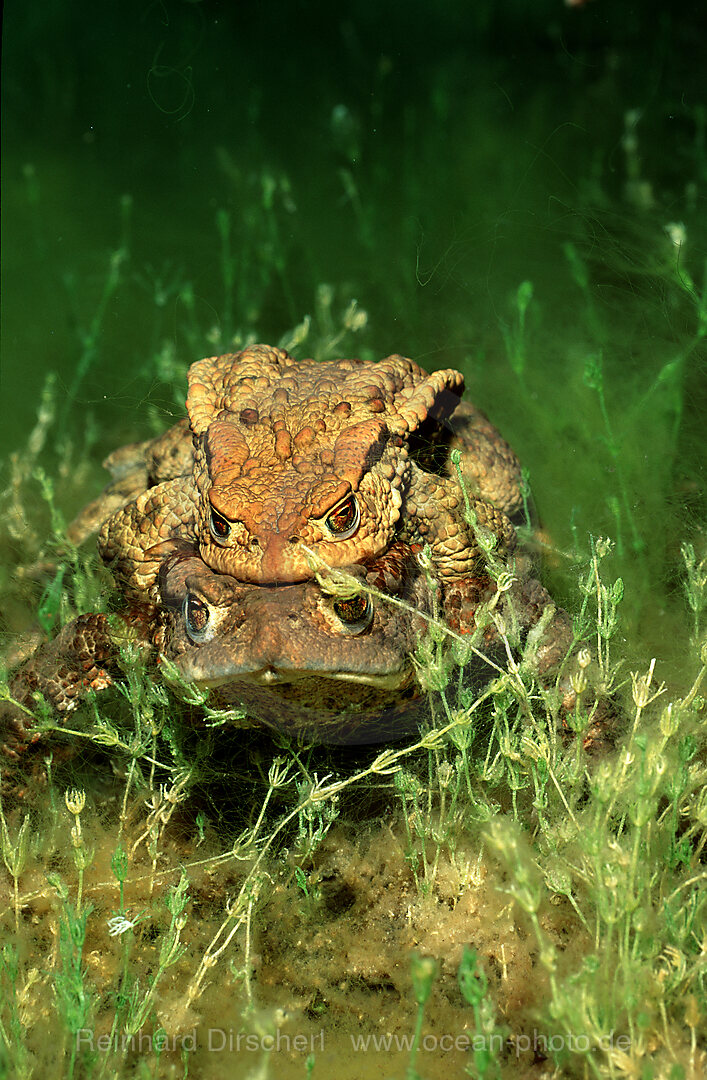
x,y
281,677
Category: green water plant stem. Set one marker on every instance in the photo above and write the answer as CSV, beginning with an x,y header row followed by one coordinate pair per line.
x,y
90,336
75,802
514,332
14,854
474,987
171,949
695,590
594,379
15,1062
580,275
74,998
423,970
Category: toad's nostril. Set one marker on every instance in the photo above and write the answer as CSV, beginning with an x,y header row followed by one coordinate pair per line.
x,y
293,539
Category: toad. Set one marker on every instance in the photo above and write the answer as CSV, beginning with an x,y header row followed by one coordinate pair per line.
x,y
300,657
329,659
337,458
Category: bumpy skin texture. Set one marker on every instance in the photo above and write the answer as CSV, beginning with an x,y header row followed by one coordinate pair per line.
x,y
489,467
62,670
307,658
135,468
230,630
298,657
324,660
298,456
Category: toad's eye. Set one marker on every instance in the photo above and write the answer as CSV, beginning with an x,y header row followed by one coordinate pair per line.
x,y
219,526
344,519
355,612
196,618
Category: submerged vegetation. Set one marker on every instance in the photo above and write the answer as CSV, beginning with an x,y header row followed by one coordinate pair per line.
x,y
493,897
136,898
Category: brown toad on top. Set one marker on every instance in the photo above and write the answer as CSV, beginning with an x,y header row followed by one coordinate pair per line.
x,y
293,456
309,453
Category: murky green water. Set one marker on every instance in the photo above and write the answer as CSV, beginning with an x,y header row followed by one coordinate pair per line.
x,y
515,190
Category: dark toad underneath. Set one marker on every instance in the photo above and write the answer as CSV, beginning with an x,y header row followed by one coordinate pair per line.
x,y
327,660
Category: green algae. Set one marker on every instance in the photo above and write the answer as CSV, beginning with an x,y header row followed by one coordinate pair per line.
x,y
530,211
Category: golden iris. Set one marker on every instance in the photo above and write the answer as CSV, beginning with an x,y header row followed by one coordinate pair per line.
x,y
353,610
344,519
220,526
196,615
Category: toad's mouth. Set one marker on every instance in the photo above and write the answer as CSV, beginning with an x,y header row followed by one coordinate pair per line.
x,y
276,678
330,706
